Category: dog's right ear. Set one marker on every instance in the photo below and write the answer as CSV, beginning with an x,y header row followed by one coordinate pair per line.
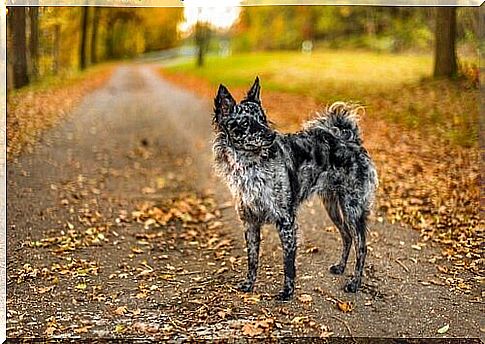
x,y
254,93
224,102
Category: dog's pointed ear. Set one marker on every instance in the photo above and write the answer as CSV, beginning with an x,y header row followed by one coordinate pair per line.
x,y
223,102
254,93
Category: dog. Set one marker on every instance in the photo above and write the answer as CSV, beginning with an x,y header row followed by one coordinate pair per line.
x,y
270,174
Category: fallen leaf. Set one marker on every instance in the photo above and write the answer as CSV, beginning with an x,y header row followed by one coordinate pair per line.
x,y
139,326
120,310
254,298
161,182
83,329
81,286
45,289
442,269
136,250
305,298
325,334
141,295
136,311
148,190
222,270
312,249
299,320
120,328
345,306
49,331
251,330
444,329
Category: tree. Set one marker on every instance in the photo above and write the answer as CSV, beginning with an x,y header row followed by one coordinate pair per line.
x,y
94,36
161,24
84,39
34,40
202,40
56,48
56,39
20,71
445,34
124,37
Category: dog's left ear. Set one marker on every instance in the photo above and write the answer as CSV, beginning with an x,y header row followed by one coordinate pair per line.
x,y
254,92
223,102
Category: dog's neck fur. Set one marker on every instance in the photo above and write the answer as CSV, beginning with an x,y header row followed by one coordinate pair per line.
x,y
248,174
225,153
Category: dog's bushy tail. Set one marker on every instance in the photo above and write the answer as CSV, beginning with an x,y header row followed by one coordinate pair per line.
x,y
339,119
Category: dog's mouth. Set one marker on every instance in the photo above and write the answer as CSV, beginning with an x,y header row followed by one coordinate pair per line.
x,y
255,148
266,143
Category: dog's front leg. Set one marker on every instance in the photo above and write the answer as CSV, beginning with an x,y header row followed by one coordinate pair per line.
x,y
253,239
287,231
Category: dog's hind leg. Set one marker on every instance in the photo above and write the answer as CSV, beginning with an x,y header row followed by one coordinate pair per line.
x,y
287,232
253,239
337,217
360,252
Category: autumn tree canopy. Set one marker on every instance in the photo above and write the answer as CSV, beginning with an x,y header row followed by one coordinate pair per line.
x,y
49,40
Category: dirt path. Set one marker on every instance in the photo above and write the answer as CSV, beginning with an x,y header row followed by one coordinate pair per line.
x,y
100,243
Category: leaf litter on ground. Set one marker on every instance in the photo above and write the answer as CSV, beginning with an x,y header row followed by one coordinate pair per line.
x,y
33,109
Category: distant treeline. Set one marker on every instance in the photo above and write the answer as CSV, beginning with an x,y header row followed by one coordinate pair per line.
x,y
392,29
44,41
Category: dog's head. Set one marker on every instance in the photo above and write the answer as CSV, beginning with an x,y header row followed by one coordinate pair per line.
x,y
245,123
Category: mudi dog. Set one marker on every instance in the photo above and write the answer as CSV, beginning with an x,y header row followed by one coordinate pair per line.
x,y
270,174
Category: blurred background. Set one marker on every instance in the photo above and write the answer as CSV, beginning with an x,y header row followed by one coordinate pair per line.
x,y
49,41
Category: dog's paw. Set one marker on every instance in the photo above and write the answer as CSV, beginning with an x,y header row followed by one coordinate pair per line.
x,y
337,269
352,285
245,286
284,295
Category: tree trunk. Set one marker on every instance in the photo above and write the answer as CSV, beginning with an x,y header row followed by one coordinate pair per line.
x,y
202,39
445,52
84,39
20,72
34,41
94,36
200,56
56,48
109,40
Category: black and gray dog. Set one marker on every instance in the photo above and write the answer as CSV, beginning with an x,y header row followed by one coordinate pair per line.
x,y
270,174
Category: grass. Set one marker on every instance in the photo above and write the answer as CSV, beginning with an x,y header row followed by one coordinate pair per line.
x,y
394,87
322,74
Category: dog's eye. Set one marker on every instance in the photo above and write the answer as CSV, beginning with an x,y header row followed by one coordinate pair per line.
x,y
238,131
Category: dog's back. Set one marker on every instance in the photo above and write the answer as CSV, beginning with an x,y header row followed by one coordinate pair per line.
x,y
328,158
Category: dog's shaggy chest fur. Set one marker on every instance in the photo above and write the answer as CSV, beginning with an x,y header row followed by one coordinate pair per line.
x,y
270,174
259,184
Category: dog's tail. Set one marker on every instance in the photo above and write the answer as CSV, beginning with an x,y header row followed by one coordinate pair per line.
x,y
339,119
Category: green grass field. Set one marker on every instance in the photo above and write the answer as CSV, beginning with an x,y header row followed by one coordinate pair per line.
x,y
323,74
395,87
